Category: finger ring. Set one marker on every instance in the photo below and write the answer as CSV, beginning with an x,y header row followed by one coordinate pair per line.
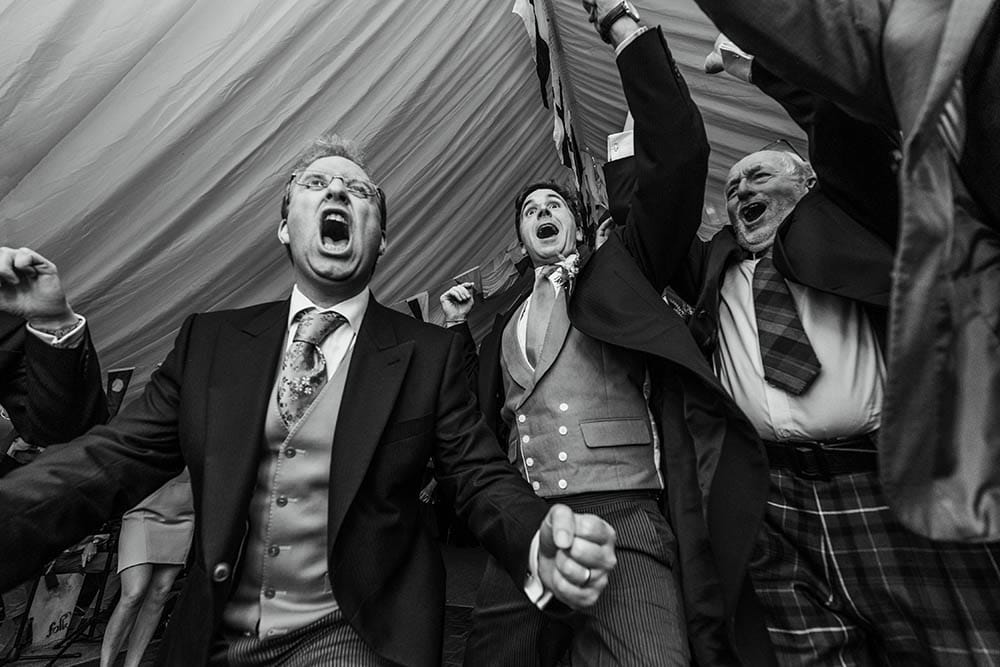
x,y
587,580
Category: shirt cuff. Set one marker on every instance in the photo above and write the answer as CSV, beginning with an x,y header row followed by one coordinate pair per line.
x,y
533,586
736,62
628,40
620,145
71,338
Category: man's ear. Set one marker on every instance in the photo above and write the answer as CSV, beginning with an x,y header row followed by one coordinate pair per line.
x,y
381,245
283,232
579,234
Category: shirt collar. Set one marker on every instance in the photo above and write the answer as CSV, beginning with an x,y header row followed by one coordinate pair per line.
x,y
353,309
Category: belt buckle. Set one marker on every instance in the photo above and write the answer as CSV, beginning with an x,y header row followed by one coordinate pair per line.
x,y
806,451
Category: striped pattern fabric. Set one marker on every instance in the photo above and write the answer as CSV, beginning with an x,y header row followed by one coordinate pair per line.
x,y
329,641
843,583
789,361
637,621
303,370
951,124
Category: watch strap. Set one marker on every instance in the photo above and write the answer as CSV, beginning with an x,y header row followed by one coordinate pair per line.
x,y
623,8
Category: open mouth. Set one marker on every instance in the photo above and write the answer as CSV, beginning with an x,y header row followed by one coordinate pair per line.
x,y
753,210
334,229
546,230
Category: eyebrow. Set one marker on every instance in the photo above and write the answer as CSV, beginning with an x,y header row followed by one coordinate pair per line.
x,y
545,200
749,171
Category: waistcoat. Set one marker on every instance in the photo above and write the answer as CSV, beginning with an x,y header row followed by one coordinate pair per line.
x,y
284,579
579,421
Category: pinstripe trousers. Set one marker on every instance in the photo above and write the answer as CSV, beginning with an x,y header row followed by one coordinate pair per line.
x,y
328,641
637,621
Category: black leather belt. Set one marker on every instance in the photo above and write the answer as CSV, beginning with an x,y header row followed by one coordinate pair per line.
x,y
811,459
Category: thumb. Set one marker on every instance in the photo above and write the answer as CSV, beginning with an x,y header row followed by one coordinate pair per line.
x,y
557,531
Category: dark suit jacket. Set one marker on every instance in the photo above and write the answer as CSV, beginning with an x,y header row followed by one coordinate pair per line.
x,y
715,470
838,238
51,395
895,63
406,399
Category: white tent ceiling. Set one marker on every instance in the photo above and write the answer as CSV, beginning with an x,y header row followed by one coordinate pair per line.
x,y
145,144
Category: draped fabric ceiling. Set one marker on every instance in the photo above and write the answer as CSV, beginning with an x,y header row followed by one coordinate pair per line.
x,y
145,145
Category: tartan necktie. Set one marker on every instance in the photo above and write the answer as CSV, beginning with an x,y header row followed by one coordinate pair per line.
x,y
789,361
303,371
543,296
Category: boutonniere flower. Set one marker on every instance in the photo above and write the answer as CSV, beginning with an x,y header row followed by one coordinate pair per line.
x,y
569,267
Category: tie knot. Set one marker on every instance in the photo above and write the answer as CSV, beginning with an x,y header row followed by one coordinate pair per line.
x,y
315,326
759,254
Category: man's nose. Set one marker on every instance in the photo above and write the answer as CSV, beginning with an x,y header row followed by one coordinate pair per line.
x,y
743,189
546,212
336,189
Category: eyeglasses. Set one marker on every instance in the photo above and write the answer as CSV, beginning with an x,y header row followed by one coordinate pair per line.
x,y
782,145
319,180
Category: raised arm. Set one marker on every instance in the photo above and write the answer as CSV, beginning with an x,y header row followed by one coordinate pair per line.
x,y
671,151
831,48
51,378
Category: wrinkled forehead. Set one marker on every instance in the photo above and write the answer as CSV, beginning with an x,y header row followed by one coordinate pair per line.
x,y
773,160
541,196
335,164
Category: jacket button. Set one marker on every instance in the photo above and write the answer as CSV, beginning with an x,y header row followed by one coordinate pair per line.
x,y
221,572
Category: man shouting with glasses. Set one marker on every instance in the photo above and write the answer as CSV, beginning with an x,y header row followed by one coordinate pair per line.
x,y
306,425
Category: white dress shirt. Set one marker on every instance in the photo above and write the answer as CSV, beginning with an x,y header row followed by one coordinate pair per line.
x,y
846,397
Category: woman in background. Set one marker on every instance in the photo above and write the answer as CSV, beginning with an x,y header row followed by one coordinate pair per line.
x,y
152,549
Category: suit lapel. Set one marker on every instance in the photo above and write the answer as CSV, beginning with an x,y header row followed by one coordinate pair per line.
x,y
378,367
245,360
512,359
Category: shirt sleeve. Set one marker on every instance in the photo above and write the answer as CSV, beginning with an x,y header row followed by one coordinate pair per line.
x,y
70,339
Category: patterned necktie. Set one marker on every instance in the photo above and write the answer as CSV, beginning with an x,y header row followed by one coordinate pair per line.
x,y
789,361
303,372
543,295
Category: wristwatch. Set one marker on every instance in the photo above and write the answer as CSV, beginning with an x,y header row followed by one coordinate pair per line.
x,y
623,8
